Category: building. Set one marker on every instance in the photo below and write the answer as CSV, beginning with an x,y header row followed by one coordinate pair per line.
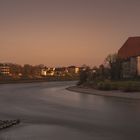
x,y
50,71
61,71
73,69
130,54
47,71
43,72
4,69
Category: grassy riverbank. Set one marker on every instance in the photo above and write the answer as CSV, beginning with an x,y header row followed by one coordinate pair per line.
x,y
126,86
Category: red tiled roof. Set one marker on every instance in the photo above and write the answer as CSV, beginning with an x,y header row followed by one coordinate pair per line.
x,y
130,48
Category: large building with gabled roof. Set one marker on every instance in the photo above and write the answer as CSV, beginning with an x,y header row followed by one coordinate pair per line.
x,y
130,54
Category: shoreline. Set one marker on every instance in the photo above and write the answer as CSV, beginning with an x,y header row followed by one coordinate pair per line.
x,y
33,81
113,93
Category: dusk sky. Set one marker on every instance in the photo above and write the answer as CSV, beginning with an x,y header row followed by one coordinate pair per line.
x,y
65,32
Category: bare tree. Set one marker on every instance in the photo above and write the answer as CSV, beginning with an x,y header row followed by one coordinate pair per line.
x,y
114,64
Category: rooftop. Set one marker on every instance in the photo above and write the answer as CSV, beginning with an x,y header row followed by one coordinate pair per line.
x,y
131,48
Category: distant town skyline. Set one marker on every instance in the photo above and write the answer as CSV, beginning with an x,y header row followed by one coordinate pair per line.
x,y
65,32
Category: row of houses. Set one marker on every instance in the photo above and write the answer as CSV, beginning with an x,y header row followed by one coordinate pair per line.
x,y
60,71
5,70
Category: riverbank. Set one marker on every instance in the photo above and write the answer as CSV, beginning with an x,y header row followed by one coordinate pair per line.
x,y
113,93
16,81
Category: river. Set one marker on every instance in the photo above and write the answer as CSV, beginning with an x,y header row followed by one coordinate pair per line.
x,y
49,112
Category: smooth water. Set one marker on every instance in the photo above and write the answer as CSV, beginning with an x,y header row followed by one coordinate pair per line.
x,y
49,112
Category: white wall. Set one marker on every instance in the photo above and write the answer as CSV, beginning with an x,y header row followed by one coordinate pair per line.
x,y
133,66
138,65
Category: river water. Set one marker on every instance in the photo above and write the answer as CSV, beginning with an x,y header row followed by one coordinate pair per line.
x,y
49,112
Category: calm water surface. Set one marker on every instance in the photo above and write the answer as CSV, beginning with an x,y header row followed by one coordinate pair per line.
x,y
49,112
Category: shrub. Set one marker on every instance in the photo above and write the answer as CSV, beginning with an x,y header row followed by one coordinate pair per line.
x,y
114,86
104,86
131,87
126,86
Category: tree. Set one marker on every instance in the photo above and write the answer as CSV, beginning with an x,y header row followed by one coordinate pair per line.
x,y
27,70
37,69
84,75
15,69
114,63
